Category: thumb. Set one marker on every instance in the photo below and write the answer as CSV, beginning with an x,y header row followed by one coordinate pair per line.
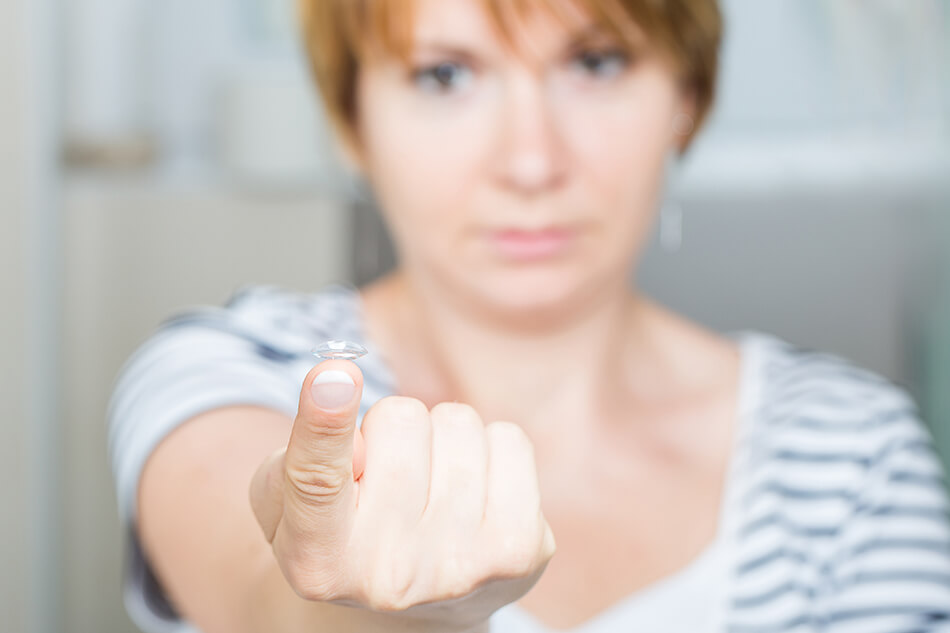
x,y
319,459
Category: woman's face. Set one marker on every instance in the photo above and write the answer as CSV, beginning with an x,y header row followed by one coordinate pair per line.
x,y
520,174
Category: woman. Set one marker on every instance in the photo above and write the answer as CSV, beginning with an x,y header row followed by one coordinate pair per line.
x,y
532,444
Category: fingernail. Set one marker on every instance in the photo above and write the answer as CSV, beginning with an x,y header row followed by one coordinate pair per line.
x,y
332,389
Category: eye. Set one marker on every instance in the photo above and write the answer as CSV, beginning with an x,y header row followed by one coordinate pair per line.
x,y
601,63
442,77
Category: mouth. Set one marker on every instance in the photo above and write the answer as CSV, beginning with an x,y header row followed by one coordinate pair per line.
x,y
530,245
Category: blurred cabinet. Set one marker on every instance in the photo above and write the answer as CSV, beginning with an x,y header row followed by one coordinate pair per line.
x,y
18,591
136,252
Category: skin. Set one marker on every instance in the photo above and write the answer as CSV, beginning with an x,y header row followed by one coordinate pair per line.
x,y
537,400
617,394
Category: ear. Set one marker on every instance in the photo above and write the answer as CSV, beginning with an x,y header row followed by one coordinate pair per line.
x,y
684,118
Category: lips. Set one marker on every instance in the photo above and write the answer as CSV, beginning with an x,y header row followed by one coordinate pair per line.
x,y
531,245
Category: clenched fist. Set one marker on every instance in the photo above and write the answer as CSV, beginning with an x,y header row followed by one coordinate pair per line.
x,y
429,515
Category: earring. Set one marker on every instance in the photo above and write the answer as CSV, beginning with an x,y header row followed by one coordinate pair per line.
x,y
671,213
682,124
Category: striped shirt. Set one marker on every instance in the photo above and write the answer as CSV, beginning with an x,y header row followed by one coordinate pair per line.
x,y
835,515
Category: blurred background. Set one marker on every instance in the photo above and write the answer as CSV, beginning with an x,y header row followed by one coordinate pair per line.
x,y
157,155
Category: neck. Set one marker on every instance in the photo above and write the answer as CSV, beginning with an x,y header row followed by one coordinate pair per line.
x,y
568,364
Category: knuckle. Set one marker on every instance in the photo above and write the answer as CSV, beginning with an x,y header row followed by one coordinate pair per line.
x,y
515,562
548,542
390,587
455,413
316,481
387,600
332,424
311,586
312,592
515,553
506,429
404,408
458,575
510,433
332,427
457,587
386,603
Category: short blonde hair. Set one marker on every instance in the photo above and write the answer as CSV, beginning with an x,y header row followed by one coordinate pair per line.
x,y
338,33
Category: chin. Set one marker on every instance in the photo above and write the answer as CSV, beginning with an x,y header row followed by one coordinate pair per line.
x,y
531,294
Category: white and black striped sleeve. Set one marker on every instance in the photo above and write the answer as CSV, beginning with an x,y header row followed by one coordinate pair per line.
x,y
197,361
890,568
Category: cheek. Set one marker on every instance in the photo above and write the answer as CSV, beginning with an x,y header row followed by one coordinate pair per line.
x,y
423,158
621,143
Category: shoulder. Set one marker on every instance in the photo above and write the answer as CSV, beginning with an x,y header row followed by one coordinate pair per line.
x,y
278,322
253,350
258,326
844,517
811,393
830,437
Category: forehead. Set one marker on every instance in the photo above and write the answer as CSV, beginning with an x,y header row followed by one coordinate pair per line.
x,y
525,27
429,17
397,26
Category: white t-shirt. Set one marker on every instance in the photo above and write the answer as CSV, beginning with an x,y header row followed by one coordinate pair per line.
x,y
834,517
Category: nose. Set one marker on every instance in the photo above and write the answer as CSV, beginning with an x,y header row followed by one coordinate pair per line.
x,y
531,157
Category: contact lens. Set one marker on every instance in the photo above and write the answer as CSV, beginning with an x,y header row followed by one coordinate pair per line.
x,y
346,350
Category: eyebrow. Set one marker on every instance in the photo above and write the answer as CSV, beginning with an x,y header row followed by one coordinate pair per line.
x,y
454,51
591,31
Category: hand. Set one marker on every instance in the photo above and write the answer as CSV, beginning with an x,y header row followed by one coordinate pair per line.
x,y
426,515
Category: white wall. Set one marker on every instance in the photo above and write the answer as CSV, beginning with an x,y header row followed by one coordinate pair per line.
x,y
29,589
14,593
